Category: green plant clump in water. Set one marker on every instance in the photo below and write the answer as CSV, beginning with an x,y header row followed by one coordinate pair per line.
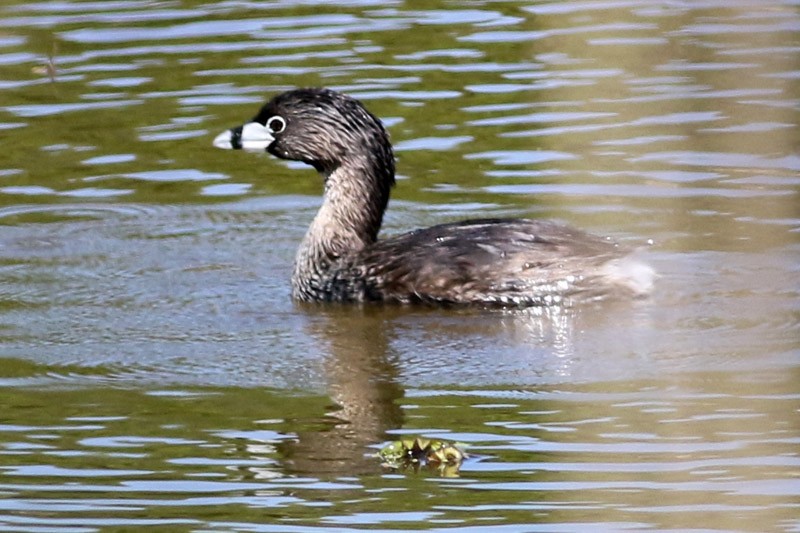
x,y
444,457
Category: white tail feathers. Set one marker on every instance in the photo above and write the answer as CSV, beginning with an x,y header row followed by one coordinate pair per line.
x,y
632,273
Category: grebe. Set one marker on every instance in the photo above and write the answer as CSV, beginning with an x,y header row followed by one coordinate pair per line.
x,y
491,262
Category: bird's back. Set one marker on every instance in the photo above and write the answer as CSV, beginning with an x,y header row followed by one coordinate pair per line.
x,y
511,262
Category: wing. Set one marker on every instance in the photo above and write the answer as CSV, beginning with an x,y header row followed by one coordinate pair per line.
x,y
492,261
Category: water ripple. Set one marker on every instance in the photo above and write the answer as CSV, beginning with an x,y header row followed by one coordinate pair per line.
x,y
39,110
81,210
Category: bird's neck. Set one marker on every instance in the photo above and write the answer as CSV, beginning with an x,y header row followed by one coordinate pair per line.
x,y
356,196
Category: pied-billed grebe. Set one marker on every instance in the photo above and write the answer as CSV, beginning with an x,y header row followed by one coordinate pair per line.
x,y
506,262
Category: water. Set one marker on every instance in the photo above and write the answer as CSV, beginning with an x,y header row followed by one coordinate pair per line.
x,y
154,373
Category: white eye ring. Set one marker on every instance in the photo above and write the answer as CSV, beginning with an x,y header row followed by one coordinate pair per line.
x,y
276,124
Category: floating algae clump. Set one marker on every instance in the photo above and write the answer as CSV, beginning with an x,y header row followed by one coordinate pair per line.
x,y
445,457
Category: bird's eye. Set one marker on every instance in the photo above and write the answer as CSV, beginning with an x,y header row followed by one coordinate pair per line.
x,y
276,124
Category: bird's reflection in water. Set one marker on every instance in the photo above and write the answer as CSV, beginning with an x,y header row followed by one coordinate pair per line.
x,y
363,382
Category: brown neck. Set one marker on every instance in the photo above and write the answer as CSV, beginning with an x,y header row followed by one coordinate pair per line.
x,y
356,196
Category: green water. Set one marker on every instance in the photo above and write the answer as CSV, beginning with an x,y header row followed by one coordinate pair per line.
x,y
154,372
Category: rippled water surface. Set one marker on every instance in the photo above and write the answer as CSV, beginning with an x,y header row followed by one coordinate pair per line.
x,y
154,372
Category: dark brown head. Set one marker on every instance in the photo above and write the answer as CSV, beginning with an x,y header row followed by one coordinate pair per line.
x,y
320,127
